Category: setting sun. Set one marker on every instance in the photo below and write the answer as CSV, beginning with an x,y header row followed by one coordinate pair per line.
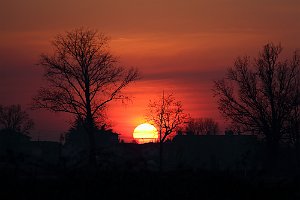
x,y
145,133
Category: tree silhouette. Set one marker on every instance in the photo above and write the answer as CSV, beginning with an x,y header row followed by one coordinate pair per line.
x,y
168,116
262,96
83,77
14,119
202,126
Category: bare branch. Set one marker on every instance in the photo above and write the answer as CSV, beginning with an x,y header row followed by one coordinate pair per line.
x,y
82,74
261,96
13,118
167,114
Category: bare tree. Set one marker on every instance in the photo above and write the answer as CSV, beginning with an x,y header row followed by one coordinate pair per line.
x,y
262,96
168,116
13,118
202,126
83,77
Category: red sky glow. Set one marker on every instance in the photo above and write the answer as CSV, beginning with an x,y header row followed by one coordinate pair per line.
x,y
178,46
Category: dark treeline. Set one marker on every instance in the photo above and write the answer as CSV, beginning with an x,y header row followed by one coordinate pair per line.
x,y
194,166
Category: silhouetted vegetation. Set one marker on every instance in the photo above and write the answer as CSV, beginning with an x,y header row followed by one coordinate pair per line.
x,y
76,143
83,77
261,96
14,119
168,115
201,126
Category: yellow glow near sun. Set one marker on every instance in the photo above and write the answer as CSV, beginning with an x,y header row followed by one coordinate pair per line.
x,y
145,131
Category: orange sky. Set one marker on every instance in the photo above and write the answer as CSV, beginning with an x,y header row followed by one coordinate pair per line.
x,y
179,46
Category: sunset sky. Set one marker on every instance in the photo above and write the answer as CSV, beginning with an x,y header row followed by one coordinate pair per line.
x,y
179,46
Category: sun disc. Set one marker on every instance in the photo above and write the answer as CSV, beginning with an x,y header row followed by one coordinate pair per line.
x,y
145,131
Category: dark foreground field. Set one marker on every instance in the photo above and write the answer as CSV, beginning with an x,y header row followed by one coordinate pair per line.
x,y
151,185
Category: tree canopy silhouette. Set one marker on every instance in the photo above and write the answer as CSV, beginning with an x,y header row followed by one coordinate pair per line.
x,y
83,76
262,96
168,115
13,118
202,126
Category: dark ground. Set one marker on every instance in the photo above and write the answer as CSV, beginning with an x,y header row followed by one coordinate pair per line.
x,y
151,185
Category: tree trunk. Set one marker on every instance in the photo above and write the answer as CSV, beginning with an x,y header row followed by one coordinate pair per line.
x,y
92,144
90,125
272,153
297,149
161,156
